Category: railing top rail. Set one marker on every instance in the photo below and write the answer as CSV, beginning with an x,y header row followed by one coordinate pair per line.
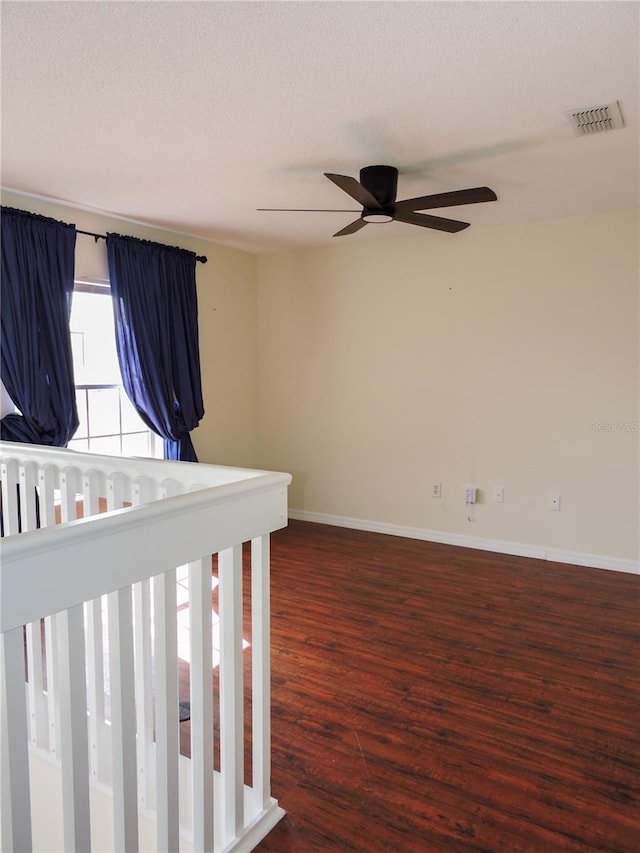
x,y
48,570
186,473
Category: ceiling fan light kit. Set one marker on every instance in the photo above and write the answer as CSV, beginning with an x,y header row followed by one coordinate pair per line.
x,y
376,216
377,189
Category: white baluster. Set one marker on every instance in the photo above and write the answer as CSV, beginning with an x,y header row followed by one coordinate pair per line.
x,y
123,714
35,685
92,485
91,482
9,469
201,697
48,478
231,691
69,482
123,733
98,742
168,488
261,670
142,491
28,496
167,711
167,719
53,707
73,729
115,490
15,805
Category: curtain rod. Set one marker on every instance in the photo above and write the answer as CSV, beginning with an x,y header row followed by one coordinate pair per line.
x,y
201,258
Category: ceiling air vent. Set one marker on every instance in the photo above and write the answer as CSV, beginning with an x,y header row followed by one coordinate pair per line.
x,y
596,119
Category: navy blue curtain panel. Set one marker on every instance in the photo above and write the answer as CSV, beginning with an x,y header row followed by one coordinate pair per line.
x,y
37,365
156,317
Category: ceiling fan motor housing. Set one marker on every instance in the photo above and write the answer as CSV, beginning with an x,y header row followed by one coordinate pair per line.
x,y
382,183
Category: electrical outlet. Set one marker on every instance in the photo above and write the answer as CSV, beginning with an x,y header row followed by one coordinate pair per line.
x,y
470,494
554,502
436,490
498,494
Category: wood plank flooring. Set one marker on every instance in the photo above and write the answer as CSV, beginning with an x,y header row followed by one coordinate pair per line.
x,y
430,698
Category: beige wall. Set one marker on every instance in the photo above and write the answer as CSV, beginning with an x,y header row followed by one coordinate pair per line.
x,y
484,358
370,370
227,324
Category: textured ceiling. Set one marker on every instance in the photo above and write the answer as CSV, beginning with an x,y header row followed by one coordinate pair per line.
x,y
190,115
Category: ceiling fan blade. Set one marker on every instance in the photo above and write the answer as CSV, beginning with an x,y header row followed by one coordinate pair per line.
x,y
354,226
354,189
428,202
426,221
307,210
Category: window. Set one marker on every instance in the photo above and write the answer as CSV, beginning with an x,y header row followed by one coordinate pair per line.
x,y
109,424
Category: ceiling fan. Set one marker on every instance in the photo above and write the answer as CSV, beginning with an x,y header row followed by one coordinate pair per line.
x,y
376,192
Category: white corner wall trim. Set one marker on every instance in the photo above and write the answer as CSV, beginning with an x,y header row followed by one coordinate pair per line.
x,y
499,546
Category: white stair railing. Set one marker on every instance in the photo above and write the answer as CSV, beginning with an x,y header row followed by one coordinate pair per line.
x,y
90,549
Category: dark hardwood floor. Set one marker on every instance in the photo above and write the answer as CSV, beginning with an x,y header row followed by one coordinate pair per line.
x,y
431,698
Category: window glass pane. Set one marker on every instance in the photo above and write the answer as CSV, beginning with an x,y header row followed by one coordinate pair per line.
x,y
131,421
93,340
77,351
104,414
81,402
156,445
79,444
109,445
135,444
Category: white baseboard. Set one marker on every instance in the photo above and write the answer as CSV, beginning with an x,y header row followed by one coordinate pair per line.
x,y
499,546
